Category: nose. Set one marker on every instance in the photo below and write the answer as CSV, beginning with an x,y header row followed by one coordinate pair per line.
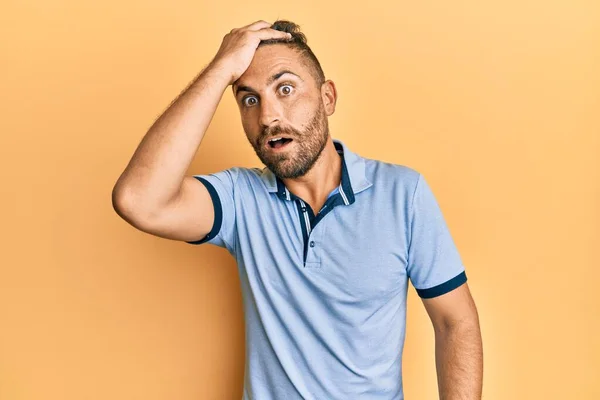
x,y
270,112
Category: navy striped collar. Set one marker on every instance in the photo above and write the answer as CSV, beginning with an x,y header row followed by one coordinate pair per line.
x,y
353,181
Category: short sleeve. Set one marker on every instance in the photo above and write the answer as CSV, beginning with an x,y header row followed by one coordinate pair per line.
x,y
434,264
221,187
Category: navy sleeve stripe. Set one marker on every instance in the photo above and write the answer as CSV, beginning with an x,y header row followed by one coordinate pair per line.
x,y
218,212
443,287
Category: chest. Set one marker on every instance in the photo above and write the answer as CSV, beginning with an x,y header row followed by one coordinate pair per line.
x,y
351,254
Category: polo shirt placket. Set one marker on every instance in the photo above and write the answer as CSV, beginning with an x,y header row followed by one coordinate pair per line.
x,y
342,195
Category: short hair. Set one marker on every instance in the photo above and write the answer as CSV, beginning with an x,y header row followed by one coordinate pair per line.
x,y
297,42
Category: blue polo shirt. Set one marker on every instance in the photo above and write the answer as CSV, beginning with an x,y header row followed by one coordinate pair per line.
x,y
324,291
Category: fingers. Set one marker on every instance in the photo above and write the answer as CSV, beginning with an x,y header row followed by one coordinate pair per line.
x,y
259,25
262,29
268,33
255,26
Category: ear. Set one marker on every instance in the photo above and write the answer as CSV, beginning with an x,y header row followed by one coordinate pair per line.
x,y
329,96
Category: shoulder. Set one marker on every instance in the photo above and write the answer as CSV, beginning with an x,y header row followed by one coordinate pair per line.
x,y
238,172
249,177
388,173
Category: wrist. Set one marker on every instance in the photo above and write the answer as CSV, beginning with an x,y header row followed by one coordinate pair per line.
x,y
220,71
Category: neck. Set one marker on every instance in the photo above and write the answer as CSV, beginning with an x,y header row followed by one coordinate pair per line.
x,y
323,177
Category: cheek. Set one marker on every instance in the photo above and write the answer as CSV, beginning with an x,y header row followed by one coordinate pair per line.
x,y
245,123
249,123
300,110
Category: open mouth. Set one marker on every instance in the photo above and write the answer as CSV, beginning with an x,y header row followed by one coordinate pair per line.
x,y
278,143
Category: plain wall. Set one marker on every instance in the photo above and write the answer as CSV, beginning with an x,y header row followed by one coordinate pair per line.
x,y
496,103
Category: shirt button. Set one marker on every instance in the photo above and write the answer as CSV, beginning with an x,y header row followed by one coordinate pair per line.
x,y
312,244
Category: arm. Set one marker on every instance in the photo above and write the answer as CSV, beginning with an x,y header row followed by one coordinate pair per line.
x,y
153,193
155,174
458,344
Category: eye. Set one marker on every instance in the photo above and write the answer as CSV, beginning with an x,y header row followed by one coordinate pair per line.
x,y
284,88
284,91
245,102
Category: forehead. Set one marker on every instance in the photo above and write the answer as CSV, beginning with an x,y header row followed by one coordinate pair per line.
x,y
268,60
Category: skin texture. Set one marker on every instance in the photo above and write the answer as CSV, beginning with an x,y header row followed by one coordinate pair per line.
x,y
458,344
295,107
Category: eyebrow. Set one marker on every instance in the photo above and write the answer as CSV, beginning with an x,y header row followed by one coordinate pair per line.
x,y
269,81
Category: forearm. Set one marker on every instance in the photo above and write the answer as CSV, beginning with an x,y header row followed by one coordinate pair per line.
x,y
157,168
459,362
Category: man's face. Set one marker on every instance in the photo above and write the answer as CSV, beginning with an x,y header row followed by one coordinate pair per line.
x,y
287,105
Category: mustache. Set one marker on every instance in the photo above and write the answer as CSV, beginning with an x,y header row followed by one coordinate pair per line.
x,y
270,132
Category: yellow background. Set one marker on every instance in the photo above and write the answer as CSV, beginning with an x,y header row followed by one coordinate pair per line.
x,y
496,103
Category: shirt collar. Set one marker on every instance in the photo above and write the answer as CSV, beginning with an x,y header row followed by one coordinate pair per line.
x,y
353,181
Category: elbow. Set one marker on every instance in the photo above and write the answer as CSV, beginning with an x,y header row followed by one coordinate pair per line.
x,y
134,208
121,202
127,205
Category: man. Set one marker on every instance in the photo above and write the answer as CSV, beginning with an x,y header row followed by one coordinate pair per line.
x,y
325,240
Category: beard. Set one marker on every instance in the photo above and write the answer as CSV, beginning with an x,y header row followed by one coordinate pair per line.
x,y
308,146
